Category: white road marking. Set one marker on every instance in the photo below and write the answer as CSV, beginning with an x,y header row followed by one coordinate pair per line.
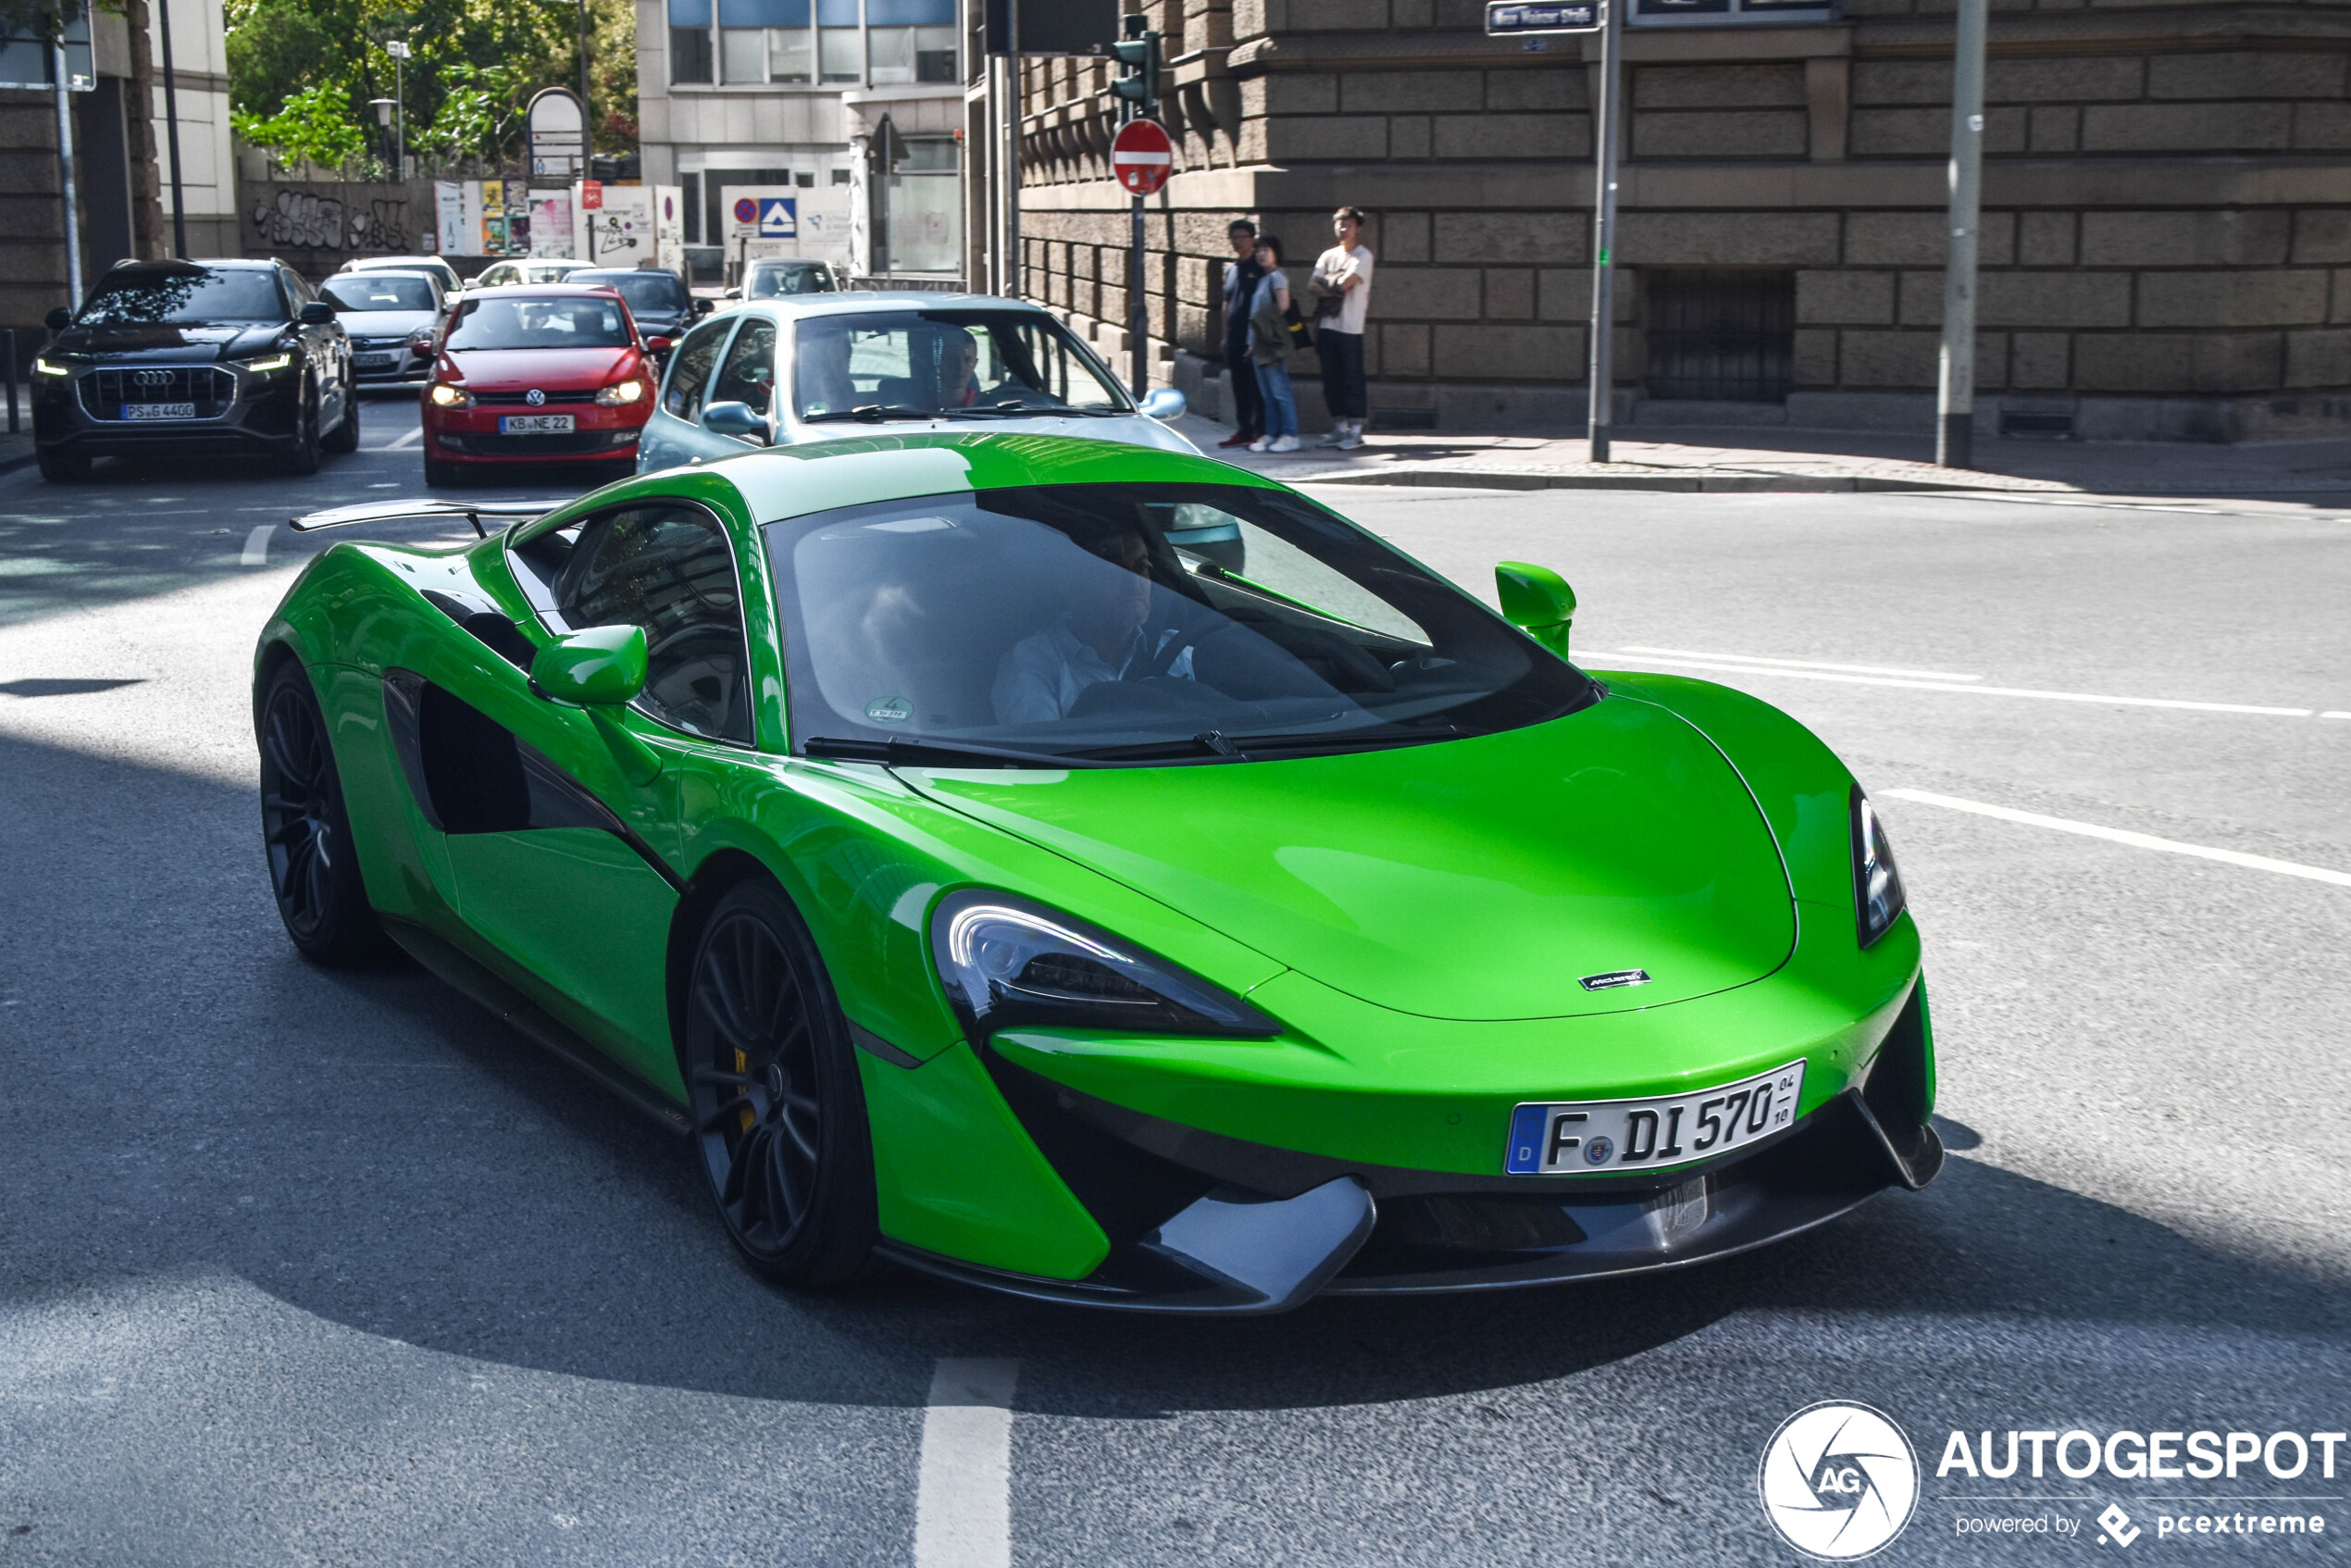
x,y
963,1503
257,552
411,439
2331,713
1981,691
2122,836
1801,663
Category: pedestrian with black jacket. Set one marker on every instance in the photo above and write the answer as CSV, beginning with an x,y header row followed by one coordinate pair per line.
x,y
1241,276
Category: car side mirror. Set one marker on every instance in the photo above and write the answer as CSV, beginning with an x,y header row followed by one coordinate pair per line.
x,y
1537,601
602,667
702,306
1162,403
656,345
315,313
737,419
732,294
58,320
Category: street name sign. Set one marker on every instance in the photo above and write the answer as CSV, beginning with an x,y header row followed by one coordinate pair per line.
x,y
1522,19
1142,156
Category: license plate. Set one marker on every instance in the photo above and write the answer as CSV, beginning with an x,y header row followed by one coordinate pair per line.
x,y
373,361
158,410
535,425
1592,1136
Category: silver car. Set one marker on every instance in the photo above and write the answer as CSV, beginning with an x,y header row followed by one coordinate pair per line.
x,y
450,282
392,318
819,367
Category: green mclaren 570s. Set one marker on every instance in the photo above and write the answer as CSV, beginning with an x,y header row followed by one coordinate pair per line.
x,y
1101,874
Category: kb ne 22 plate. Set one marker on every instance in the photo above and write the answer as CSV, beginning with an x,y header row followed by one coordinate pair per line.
x,y
535,425
1590,1137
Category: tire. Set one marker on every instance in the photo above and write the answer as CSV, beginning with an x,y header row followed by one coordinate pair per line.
x,y
63,467
302,458
771,1079
439,475
314,864
344,438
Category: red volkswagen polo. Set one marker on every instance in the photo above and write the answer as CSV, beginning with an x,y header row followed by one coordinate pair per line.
x,y
539,374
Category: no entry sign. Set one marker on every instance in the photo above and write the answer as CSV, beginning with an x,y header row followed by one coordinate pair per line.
x,y
1142,156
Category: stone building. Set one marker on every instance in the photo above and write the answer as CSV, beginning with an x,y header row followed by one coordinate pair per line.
x,y
2167,210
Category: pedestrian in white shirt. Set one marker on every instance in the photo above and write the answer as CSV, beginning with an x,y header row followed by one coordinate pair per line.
x,y
1342,291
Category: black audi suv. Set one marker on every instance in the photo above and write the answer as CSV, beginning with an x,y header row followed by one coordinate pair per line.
x,y
173,358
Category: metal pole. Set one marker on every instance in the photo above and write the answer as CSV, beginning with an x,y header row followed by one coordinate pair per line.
x,y
1138,311
1955,429
399,121
171,130
587,120
1012,268
9,368
1601,383
64,175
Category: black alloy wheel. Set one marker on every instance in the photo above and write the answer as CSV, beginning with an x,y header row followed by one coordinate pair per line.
x,y
302,458
771,1079
314,869
346,436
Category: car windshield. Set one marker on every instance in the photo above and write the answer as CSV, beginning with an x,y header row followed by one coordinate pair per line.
x,y
659,292
376,291
771,281
575,321
927,364
189,296
1071,624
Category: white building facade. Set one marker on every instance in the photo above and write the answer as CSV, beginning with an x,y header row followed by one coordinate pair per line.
x,y
809,94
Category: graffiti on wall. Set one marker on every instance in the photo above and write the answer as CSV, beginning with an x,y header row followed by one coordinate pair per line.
x,y
305,218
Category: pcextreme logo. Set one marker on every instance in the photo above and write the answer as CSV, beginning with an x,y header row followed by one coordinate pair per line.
x,y
1838,1481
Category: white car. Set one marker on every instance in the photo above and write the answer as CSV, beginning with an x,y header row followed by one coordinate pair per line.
x,y
536,269
777,372
392,318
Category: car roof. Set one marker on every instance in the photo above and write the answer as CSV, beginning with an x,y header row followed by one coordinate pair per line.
x,y
602,272
193,264
433,278
545,290
879,303
387,263
777,482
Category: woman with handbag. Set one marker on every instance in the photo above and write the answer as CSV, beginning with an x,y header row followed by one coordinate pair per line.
x,y
1271,321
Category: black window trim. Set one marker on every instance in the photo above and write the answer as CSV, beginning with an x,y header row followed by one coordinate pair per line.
x,y
542,597
726,330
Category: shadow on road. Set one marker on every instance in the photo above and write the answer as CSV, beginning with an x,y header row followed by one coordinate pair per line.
x,y
186,1097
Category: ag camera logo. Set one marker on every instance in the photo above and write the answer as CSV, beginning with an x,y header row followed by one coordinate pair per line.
x,y
1840,1481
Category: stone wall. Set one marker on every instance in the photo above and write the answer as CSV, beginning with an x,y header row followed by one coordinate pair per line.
x,y
2167,232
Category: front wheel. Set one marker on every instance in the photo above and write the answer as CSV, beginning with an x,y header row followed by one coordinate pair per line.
x,y
314,866
302,458
771,1077
63,467
346,436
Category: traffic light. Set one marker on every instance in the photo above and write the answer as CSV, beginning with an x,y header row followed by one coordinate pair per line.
x,y
1139,60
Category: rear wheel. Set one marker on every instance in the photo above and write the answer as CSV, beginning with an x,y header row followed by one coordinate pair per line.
x,y
302,458
346,436
779,1118
314,866
63,467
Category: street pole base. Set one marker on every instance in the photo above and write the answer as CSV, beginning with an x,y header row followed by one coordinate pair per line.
x,y
1955,441
1600,443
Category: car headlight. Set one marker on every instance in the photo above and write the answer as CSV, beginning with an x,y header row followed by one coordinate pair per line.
x,y
446,396
42,365
1007,962
619,392
274,362
1877,887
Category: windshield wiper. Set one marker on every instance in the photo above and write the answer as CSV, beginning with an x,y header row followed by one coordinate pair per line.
x,y
875,413
898,752
1016,407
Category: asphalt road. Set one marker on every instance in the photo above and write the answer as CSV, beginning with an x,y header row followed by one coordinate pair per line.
x,y
301,1267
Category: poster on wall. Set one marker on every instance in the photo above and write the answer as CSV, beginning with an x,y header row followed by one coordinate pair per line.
x,y
551,224
824,225
449,216
620,232
670,225
469,230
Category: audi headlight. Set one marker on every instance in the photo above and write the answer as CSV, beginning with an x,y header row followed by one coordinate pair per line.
x,y
446,396
619,392
42,365
1877,886
273,362
1007,962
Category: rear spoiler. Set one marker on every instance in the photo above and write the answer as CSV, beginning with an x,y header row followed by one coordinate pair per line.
x,y
420,511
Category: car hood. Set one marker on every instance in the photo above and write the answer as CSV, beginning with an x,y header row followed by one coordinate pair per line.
x,y
1136,429
171,345
387,323
1479,878
509,369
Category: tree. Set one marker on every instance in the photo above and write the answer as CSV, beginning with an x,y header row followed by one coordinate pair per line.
x,y
313,125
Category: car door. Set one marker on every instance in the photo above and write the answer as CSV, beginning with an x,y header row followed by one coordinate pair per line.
x,y
675,432
582,892
326,345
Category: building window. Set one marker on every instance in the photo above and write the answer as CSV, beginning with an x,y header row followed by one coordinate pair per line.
x,y
1721,336
690,42
787,51
765,41
690,189
919,201
841,54
913,40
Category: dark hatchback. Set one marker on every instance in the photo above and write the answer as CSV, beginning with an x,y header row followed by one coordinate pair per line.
x,y
660,300
193,358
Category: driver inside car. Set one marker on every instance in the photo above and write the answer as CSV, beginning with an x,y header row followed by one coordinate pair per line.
x,y
959,371
1102,637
